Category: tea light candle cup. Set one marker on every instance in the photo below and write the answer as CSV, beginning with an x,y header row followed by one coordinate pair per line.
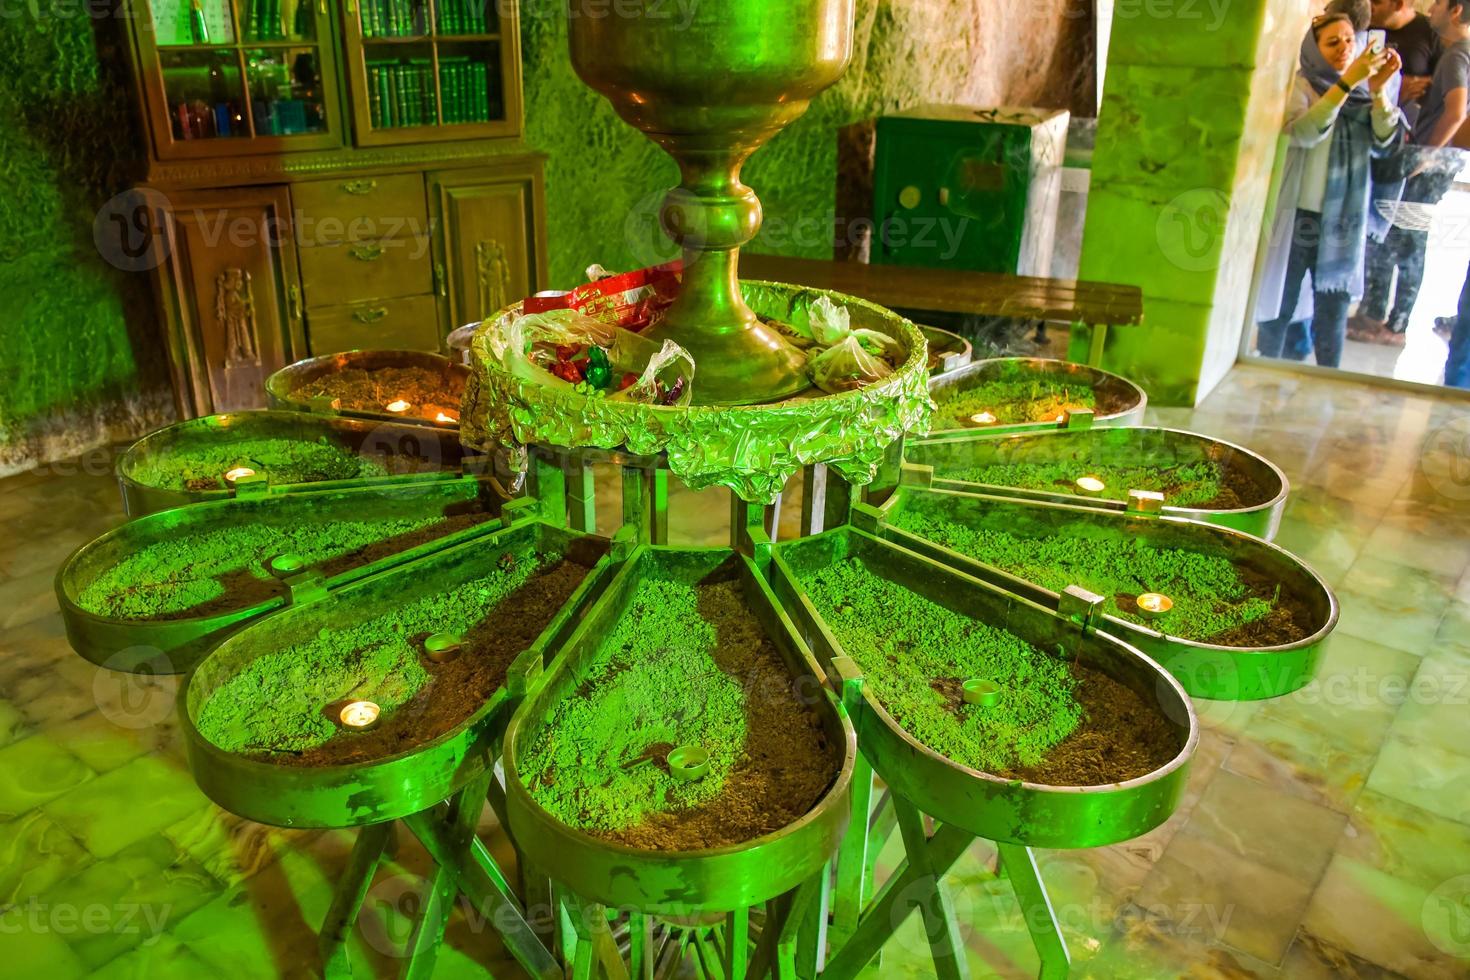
x,y
983,418
981,691
286,565
1152,605
688,763
398,406
1090,486
359,716
441,648
238,474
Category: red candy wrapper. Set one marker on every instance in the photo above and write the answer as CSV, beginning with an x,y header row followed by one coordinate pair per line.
x,y
631,300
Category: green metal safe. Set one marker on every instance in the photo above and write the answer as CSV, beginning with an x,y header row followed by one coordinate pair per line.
x,y
963,187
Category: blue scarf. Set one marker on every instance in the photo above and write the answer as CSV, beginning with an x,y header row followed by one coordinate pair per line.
x,y
1345,203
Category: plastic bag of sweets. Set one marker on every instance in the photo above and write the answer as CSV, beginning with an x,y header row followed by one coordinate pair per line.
x,y
843,358
631,300
565,347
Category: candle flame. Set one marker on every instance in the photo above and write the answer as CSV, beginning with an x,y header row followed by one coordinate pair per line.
x,y
983,418
238,473
1155,602
445,417
398,405
359,714
1090,484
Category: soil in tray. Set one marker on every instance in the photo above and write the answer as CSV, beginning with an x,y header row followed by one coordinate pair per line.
x,y
213,572
282,460
281,707
1013,399
1057,723
685,665
1204,485
427,391
1214,600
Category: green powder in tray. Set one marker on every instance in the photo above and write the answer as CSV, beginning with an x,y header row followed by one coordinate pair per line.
x,y
281,702
1211,596
1183,485
203,573
915,655
283,460
1029,399
684,665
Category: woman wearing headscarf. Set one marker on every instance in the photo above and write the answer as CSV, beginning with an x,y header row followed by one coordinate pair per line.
x,y
1340,115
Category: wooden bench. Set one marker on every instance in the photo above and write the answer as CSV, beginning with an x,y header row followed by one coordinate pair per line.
x,y
1089,307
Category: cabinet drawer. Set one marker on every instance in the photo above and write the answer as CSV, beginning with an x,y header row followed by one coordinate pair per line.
x,y
350,272
411,323
357,209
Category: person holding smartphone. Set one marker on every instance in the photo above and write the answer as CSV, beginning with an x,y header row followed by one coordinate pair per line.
x,y
1340,114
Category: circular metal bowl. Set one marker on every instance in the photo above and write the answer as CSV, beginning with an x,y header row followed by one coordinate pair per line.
x,y
947,351
394,786
282,386
1260,516
170,646
1007,810
1119,401
1206,670
677,882
439,453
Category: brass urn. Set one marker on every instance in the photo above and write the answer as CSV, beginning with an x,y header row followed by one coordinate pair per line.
x,y
710,81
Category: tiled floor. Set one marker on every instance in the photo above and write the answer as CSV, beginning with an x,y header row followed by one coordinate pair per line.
x,y
1325,834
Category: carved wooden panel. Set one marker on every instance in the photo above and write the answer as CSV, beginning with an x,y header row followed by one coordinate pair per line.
x,y
231,322
488,229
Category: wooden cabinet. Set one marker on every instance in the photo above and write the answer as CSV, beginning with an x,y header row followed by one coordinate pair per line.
x,y
487,219
230,284
334,174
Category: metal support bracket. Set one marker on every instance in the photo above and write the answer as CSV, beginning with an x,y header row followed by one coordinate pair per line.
x,y
1145,503
1081,607
1078,418
916,475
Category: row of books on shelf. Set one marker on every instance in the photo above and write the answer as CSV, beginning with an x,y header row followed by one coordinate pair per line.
x,y
264,18
198,120
409,18
401,93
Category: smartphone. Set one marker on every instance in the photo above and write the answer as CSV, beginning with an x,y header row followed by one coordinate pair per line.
x,y
1377,41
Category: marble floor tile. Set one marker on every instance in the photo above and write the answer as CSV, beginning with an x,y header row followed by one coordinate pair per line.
x,y
124,901
30,946
1381,919
1393,604
128,804
1424,775
34,771
1312,959
34,855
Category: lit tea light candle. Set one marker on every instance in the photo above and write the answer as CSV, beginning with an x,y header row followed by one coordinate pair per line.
x,y
1090,486
983,418
236,474
443,647
688,763
978,690
445,417
1151,605
398,406
359,716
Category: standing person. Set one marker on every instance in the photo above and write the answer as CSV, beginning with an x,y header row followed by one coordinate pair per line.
x,y
1432,169
1410,34
1340,114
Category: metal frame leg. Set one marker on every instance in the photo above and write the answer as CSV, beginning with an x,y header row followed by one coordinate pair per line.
x,y
353,887
581,483
1046,933
933,899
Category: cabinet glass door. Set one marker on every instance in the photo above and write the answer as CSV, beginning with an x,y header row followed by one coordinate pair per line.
x,y
432,70
232,77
